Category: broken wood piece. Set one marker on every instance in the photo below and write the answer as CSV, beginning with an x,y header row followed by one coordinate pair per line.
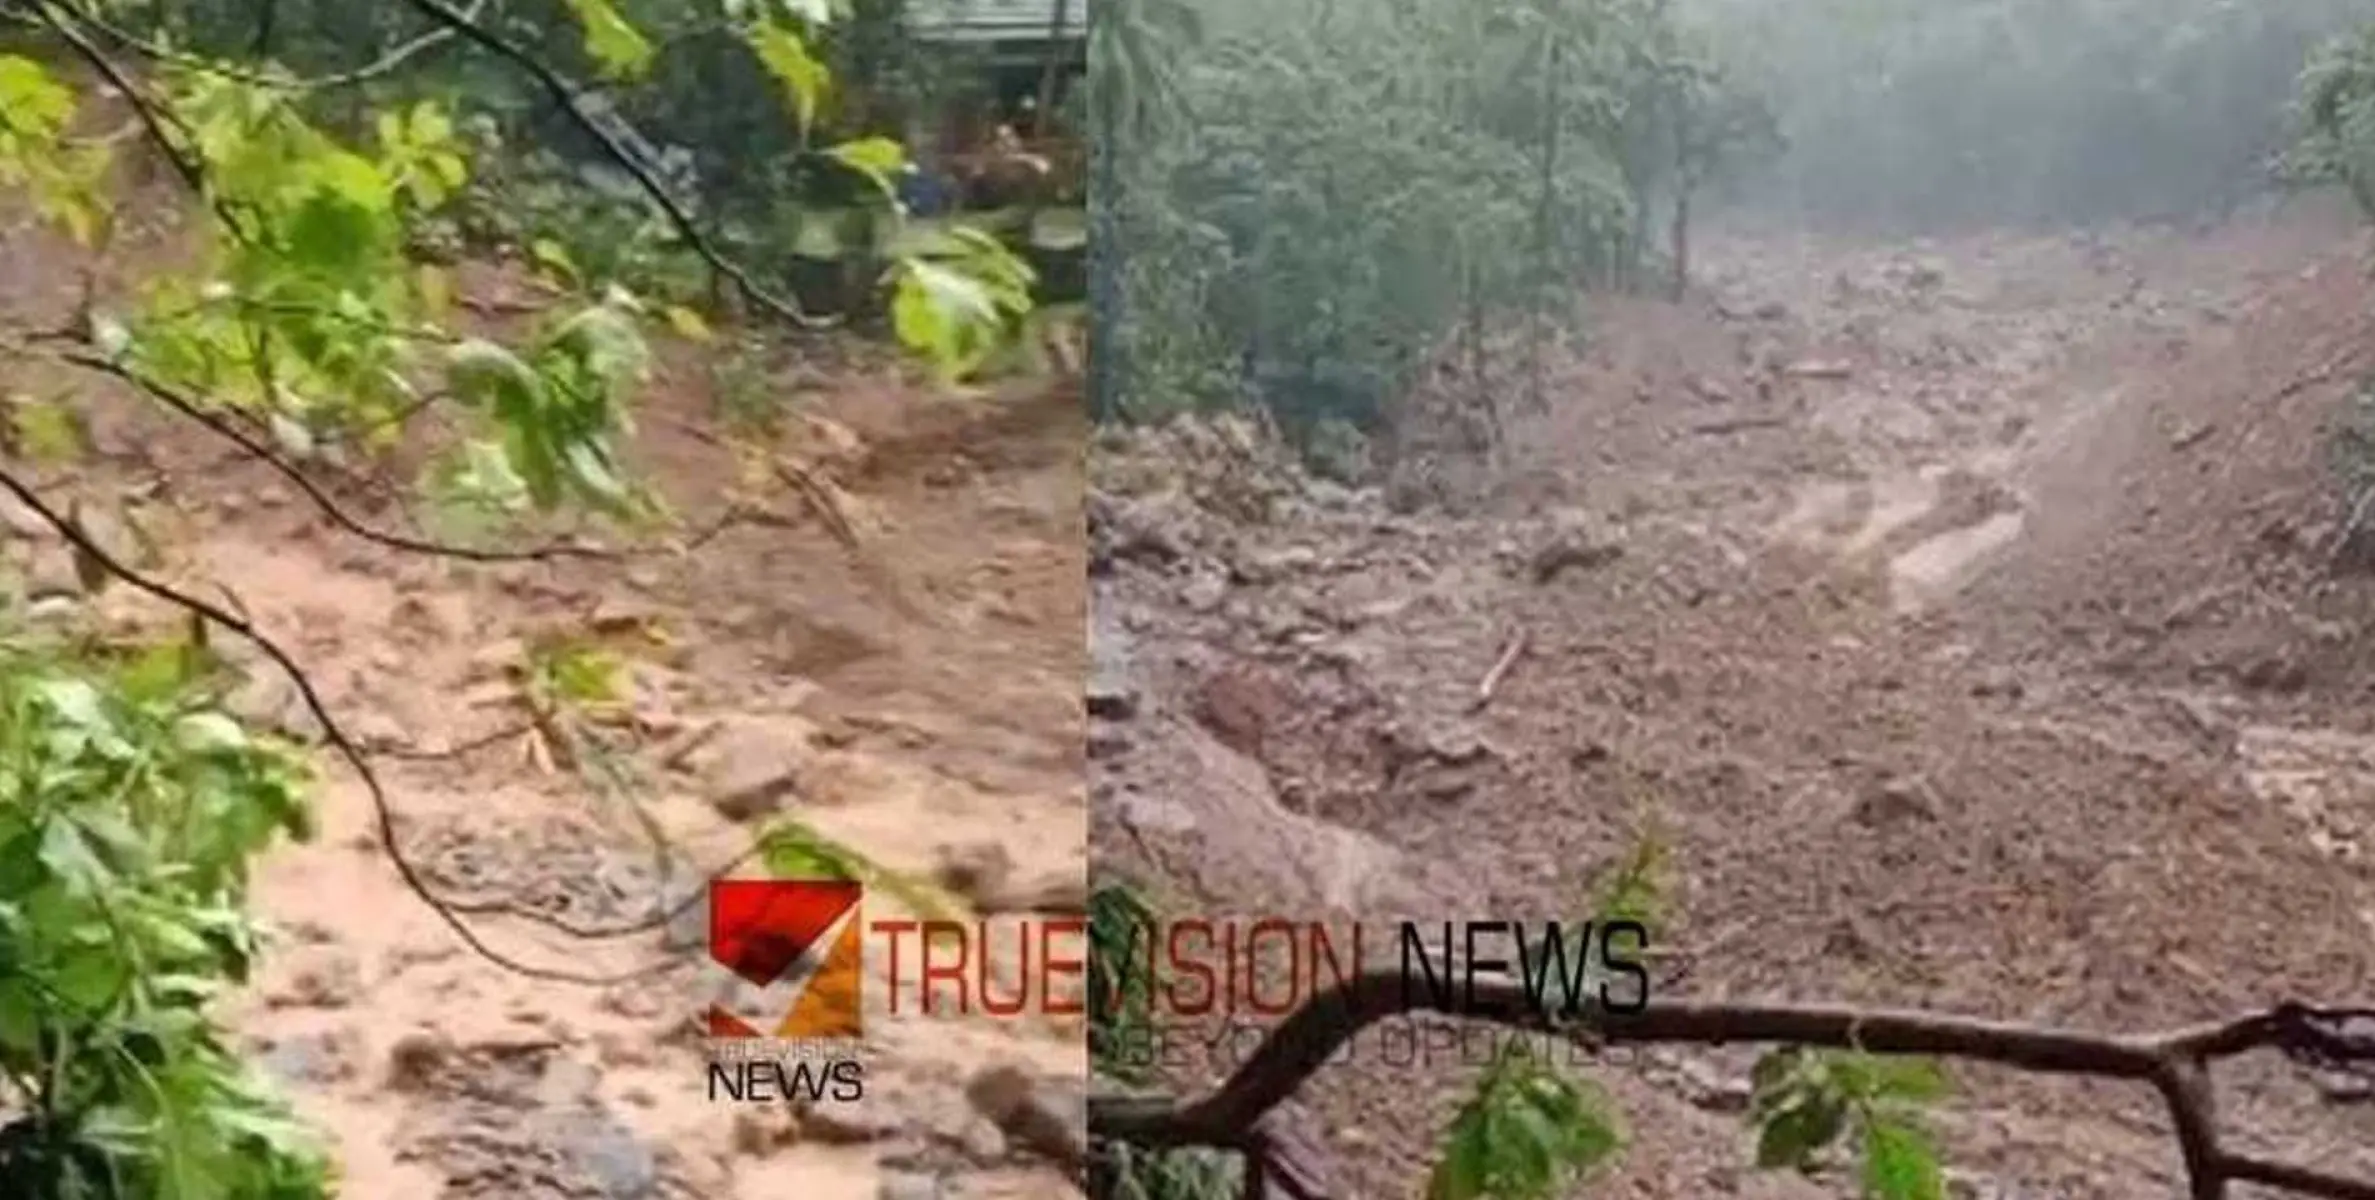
x,y
1492,679
820,498
1739,424
1816,369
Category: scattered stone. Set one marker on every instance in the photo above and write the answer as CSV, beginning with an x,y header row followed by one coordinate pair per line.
x,y
982,1143
268,700
1573,543
1063,893
2000,682
909,1185
1031,1119
1273,566
1111,698
749,768
977,871
312,1059
498,660
2275,673
838,1125
1106,742
760,1130
330,979
1204,593
1897,801
416,1060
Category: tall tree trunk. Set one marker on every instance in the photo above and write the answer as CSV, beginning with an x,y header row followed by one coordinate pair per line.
x,y
1106,294
1684,182
1543,215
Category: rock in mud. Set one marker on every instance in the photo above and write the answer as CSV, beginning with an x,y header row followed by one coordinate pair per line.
x,y
1106,742
328,979
1111,699
312,1059
1897,801
978,872
834,1125
416,1060
909,1185
52,573
1573,543
1032,1118
750,768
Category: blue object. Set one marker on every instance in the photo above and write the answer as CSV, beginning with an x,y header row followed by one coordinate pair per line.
x,y
925,194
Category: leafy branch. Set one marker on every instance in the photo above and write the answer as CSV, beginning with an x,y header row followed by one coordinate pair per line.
x,y
2175,1062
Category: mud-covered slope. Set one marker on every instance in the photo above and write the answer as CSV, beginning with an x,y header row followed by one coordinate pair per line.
x,y
1876,782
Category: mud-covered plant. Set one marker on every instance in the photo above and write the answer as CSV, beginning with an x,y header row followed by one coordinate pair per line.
x,y
129,815
1120,1002
1806,1101
793,850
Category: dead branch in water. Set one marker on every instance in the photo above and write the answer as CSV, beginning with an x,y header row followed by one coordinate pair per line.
x,y
2174,1062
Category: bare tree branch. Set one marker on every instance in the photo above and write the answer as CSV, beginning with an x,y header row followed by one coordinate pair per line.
x,y
191,408
2175,1062
566,95
383,65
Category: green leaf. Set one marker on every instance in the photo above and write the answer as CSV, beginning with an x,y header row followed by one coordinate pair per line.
x,y
69,856
210,733
484,374
47,430
785,55
1797,1131
76,704
942,314
879,159
617,47
30,100
1901,1164
554,258
688,324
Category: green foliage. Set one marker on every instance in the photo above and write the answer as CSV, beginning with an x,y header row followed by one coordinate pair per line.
x,y
1808,1100
1359,181
315,315
1121,1015
1530,1131
2335,113
792,850
129,812
1526,1133
1120,997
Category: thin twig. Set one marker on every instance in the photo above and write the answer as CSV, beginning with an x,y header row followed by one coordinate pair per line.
x,y
385,64
565,95
322,500
332,733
